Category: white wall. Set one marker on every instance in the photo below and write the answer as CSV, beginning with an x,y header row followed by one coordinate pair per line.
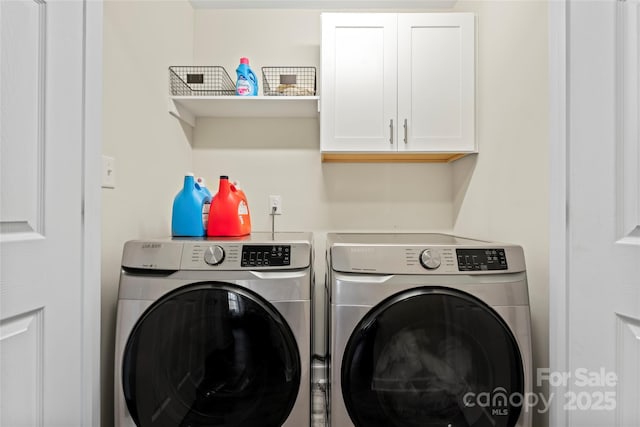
x,y
500,194
151,150
503,193
281,156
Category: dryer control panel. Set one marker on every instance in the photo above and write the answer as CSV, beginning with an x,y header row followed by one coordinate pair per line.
x,y
481,259
266,255
403,254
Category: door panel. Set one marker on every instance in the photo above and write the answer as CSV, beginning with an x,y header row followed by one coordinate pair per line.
x,y
359,48
24,40
628,205
436,58
21,350
628,213
43,255
628,147
628,370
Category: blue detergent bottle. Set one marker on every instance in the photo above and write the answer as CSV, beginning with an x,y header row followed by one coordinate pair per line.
x,y
203,186
247,83
188,204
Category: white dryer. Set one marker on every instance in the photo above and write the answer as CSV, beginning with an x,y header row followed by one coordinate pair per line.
x,y
214,332
428,330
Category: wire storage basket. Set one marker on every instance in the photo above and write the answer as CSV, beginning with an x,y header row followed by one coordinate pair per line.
x,y
200,81
289,81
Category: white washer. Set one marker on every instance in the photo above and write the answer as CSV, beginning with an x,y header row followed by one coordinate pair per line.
x,y
427,330
214,332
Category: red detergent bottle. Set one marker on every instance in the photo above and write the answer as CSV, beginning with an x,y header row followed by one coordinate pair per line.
x,y
229,212
235,186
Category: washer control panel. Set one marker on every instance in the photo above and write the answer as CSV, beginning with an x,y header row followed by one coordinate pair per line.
x,y
266,255
262,256
259,252
481,259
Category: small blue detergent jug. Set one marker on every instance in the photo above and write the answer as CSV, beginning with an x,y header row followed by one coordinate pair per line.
x,y
187,218
247,83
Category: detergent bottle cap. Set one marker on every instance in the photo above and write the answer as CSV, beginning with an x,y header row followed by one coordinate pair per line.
x,y
189,180
244,60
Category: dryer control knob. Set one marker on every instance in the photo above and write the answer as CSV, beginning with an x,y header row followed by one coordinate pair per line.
x,y
430,259
214,255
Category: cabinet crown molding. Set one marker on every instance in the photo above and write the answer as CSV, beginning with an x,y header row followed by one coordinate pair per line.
x,y
324,4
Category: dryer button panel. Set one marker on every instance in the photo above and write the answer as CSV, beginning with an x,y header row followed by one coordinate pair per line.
x,y
265,255
481,259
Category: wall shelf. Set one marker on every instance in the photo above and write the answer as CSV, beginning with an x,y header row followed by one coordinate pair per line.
x,y
189,108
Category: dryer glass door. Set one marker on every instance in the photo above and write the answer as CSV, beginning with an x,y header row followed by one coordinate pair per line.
x,y
211,354
432,357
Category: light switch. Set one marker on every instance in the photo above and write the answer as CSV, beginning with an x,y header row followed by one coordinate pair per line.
x,y
108,172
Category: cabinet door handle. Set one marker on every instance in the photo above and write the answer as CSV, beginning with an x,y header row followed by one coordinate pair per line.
x,y
405,131
391,131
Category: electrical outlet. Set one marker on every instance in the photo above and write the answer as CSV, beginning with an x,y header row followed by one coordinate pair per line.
x,y
275,202
108,172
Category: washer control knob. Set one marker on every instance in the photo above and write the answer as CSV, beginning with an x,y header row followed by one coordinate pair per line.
x,y
430,259
214,255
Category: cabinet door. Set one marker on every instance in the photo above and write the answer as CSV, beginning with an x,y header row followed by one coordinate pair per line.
x,y
358,82
436,82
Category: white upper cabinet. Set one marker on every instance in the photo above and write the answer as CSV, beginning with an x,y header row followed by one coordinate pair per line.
x,y
436,81
358,82
398,83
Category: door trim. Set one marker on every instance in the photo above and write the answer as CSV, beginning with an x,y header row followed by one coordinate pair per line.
x,y
91,210
559,239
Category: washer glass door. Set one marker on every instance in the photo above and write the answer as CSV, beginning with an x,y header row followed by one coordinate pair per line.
x,y
432,357
211,354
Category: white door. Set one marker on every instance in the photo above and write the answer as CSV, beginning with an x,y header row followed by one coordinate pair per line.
x,y
49,286
436,82
595,258
358,82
